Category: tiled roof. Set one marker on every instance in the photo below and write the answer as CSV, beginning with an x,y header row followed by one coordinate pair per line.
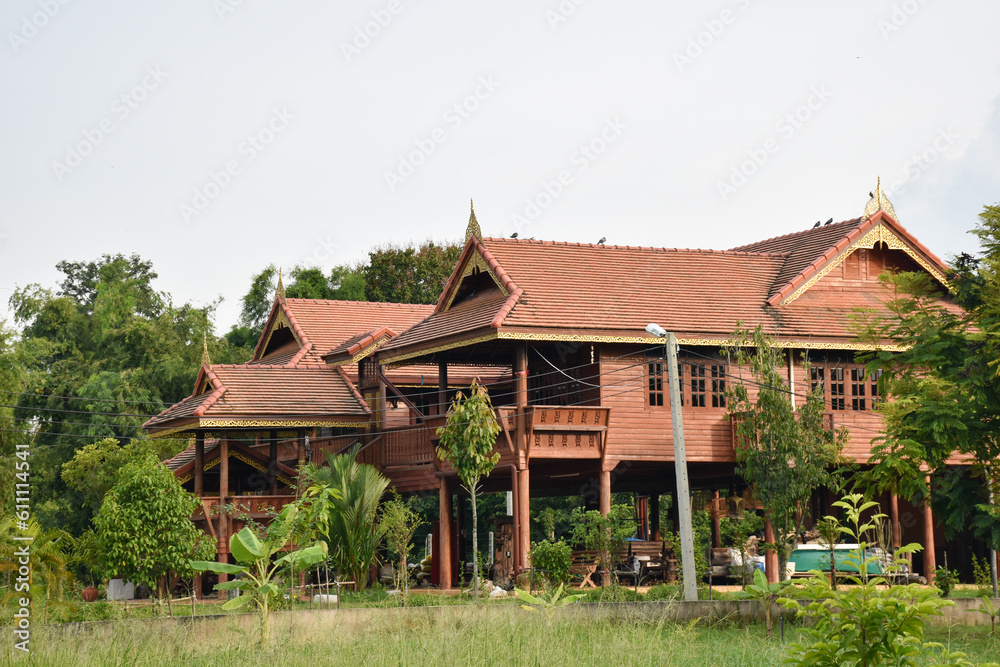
x,y
802,247
256,391
601,290
328,324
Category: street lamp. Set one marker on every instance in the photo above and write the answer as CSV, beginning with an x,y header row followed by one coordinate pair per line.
x,y
680,463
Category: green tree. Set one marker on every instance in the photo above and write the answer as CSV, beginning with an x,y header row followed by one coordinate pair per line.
x,y
467,440
258,574
409,274
343,501
94,468
399,521
604,534
50,555
144,525
784,453
942,386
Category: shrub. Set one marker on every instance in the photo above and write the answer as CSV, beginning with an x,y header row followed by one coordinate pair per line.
x,y
945,580
553,559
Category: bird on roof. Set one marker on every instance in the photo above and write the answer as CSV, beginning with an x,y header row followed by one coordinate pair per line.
x,y
514,235
603,239
828,222
816,225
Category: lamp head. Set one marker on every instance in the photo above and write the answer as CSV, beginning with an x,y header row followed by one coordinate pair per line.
x,y
656,330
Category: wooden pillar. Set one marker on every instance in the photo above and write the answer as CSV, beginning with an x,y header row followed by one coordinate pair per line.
x,y
199,464
272,462
791,378
605,491
196,585
716,521
930,558
223,556
442,387
521,454
654,517
770,556
443,554
300,438
524,516
894,520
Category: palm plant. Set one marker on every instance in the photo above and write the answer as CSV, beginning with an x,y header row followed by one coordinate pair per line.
x,y
344,499
49,557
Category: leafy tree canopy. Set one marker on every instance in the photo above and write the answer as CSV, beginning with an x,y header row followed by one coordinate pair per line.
x,y
945,396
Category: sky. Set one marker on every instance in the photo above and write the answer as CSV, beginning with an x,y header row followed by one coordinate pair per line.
x,y
215,137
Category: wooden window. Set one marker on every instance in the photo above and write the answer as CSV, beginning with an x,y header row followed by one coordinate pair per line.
x,y
718,386
697,372
837,393
655,383
874,388
858,401
819,381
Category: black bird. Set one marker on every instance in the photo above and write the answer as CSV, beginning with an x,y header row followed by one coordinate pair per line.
x,y
514,235
871,195
603,239
828,222
816,225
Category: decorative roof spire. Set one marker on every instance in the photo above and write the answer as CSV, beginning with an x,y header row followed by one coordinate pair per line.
x,y
205,361
879,202
473,228
279,292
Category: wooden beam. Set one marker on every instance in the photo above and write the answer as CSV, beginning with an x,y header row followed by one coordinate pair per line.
x,y
272,463
930,558
654,516
443,387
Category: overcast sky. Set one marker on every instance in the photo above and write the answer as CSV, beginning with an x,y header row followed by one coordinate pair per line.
x,y
214,137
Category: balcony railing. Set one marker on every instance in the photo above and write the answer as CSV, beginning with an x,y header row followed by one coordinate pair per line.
x,y
252,506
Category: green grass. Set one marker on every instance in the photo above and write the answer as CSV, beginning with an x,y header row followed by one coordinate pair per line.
x,y
491,634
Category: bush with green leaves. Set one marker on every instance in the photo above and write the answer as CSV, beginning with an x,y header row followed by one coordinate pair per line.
x,y
552,560
398,522
869,622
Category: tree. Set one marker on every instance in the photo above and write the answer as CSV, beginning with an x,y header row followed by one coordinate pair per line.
x,y
784,453
94,468
409,274
399,522
944,397
144,525
258,574
604,534
467,440
343,499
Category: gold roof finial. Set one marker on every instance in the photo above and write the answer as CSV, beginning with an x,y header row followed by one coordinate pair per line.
x,y
205,361
473,228
279,291
879,202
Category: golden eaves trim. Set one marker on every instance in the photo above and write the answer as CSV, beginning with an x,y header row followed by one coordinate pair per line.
x,y
258,423
642,340
877,234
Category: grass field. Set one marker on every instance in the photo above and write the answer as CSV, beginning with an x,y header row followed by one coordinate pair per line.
x,y
452,635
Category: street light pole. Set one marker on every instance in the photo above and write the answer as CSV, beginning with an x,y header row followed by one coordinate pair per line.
x,y
683,498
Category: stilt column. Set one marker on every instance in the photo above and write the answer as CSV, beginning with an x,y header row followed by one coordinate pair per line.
x,y
443,555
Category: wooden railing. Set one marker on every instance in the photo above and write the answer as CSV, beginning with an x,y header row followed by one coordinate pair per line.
x,y
254,506
409,446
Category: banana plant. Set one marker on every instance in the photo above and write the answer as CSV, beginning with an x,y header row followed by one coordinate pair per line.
x,y
555,600
993,611
257,573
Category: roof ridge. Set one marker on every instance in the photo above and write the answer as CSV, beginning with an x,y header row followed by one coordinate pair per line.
x,y
367,303
714,251
739,248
